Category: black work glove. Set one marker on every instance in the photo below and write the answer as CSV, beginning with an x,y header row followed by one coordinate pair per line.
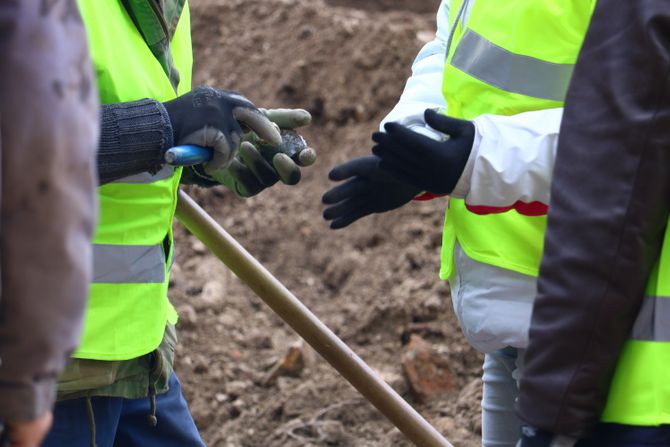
x,y
369,190
214,118
421,161
535,437
259,164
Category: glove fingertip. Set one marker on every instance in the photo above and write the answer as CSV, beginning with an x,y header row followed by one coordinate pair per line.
x,y
337,174
326,199
307,157
432,117
430,113
378,137
337,225
327,214
287,169
378,150
390,126
247,146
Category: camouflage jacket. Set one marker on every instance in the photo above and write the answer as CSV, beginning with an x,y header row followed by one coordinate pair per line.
x,y
157,20
131,379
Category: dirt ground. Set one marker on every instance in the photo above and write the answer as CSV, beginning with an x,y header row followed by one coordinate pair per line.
x,y
346,61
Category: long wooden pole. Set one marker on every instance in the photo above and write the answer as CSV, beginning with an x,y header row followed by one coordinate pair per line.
x,y
307,325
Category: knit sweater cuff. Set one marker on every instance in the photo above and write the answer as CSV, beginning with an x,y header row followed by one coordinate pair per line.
x,y
133,139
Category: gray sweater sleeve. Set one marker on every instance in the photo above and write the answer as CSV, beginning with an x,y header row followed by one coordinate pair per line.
x,y
133,138
48,135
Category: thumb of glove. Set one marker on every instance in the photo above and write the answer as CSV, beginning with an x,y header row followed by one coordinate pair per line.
x,y
222,154
451,126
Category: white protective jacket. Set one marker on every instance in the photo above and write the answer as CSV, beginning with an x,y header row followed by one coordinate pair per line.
x,y
510,166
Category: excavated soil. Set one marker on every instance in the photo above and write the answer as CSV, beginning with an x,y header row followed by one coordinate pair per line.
x,y
372,283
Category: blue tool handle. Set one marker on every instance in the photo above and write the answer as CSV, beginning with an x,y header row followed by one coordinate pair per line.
x,y
187,155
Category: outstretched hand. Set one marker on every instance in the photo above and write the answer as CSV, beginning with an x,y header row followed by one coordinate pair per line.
x,y
368,189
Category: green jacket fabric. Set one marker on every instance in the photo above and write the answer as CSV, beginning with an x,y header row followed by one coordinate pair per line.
x,y
131,379
157,20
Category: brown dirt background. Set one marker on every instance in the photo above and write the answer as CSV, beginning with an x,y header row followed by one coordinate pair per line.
x,y
346,62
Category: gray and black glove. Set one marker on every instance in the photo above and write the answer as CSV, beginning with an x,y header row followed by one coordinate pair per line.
x,y
214,118
260,164
135,135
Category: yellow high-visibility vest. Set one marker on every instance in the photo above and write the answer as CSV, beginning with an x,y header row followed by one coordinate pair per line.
x,y
640,390
128,306
508,58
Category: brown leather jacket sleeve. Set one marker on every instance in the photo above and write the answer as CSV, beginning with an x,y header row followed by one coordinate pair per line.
x,y
609,206
48,136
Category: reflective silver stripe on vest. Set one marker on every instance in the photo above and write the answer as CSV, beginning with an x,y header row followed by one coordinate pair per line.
x,y
511,72
125,264
653,321
145,177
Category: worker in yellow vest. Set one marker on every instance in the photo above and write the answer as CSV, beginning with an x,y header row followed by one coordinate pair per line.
x,y
596,371
499,76
120,388
598,362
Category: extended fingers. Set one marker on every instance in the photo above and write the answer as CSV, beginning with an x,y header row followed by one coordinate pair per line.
x,y
348,211
257,164
346,190
364,166
288,118
288,170
240,179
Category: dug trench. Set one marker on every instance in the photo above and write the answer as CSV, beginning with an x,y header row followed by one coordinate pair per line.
x,y
373,284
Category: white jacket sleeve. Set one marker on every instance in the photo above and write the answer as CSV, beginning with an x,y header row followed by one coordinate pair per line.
x,y
511,163
424,87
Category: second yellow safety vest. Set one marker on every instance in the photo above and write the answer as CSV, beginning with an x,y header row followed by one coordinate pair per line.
x,y
640,390
128,306
507,59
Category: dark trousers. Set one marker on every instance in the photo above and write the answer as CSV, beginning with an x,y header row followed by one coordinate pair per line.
x,y
617,435
120,422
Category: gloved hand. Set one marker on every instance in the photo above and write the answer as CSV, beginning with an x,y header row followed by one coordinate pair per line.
x,y
213,118
421,161
535,437
370,189
260,164
292,153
